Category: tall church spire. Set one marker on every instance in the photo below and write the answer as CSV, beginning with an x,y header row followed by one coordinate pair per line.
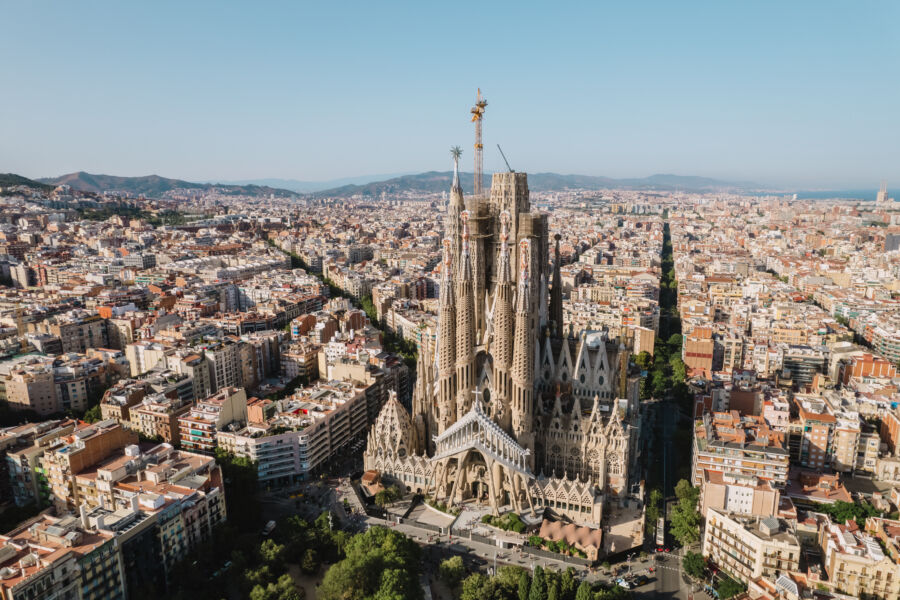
x,y
502,346
455,207
465,323
523,354
446,344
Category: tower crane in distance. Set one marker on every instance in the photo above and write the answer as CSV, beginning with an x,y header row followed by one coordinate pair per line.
x,y
508,168
477,116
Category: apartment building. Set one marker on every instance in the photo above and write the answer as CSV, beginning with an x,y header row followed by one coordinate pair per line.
x,y
224,359
862,563
145,355
24,446
199,426
54,557
70,455
79,330
736,494
118,400
742,445
751,547
194,365
157,417
815,430
291,438
300,359
32,387
140,513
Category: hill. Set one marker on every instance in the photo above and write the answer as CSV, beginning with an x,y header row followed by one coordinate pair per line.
x,y
438,181
297,185
11,179
153,185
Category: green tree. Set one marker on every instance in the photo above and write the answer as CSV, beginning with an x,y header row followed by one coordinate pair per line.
x,y
568,584
674,342
93,414
538,589
584,592
652,514
380,563
506,581
679,369
686,522
271,552
659,383
643,360
841,512
261,576
524,586
553,591
283,589
476,587
452,570
685,491
614,593
728,587
694,564
310,561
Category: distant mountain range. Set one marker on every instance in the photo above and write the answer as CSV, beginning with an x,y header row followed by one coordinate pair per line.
x,y
11,179
152,185
306,187
425,183
437,181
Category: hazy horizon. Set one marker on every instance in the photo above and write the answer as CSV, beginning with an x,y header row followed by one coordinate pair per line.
x,y
798,96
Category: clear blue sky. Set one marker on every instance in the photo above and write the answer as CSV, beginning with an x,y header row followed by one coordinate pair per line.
x,y
784,92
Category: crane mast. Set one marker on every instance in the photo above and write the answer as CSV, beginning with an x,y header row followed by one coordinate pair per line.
x,y
477,116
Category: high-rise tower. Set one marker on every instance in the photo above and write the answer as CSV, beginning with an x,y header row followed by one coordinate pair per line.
x,y
882,197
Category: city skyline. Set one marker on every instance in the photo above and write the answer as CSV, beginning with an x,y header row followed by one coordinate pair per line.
x,y
794,97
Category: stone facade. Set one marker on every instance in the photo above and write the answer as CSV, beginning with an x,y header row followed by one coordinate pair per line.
x,y
509,410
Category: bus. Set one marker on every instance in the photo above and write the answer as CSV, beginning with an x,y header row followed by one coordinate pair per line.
x,y
661,531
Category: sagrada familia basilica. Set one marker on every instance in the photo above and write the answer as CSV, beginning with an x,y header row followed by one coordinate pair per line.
x,y
509,409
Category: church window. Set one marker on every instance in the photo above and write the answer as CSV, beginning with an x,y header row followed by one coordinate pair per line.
x,y
581,379
600,379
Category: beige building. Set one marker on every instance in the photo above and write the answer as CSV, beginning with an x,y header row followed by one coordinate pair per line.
x,y
750,547
71,455
157,416
744,445
644,339
225,366
194,365
33,388
201,423
742,495
862,563
79,332
300,360
145,355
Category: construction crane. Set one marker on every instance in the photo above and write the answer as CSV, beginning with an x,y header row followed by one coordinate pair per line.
x,y
509,168
477,115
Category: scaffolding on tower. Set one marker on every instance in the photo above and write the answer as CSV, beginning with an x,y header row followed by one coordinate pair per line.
x,y
477,116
